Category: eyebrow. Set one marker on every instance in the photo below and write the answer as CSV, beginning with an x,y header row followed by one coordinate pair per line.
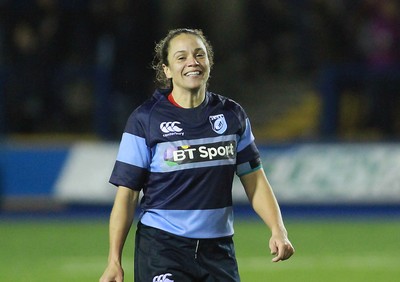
x,y
184,51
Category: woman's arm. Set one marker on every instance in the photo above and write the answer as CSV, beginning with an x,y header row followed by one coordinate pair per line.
x,y
121,218
263,201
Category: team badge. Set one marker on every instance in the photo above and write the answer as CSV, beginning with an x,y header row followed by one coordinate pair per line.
x,y
218,123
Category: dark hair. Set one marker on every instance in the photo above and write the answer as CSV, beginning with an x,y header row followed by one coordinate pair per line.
x,y
161,53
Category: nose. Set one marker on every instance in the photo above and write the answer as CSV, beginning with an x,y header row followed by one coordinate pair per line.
x,y
193,61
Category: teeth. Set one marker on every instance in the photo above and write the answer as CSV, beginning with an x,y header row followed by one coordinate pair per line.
x,y
193,73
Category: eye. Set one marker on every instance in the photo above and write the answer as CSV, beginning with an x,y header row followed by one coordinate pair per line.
x,y
200,55
181,58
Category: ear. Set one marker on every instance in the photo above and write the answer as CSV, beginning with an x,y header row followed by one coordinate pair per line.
x,y
167,71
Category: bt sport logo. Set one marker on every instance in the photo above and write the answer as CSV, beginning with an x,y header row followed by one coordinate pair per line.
x,y
224,150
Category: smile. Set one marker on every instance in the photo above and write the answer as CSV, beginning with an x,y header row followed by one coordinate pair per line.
x,y
193,73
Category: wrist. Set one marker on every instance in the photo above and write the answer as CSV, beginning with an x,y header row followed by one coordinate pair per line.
x,y
279,231
114,260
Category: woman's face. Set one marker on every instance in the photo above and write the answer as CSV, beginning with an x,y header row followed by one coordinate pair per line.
x,y
188,63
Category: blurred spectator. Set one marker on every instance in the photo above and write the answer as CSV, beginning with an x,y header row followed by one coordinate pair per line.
x,y
379,35
331,24
33,56
125,32
335,55
25,88
271,31
379,41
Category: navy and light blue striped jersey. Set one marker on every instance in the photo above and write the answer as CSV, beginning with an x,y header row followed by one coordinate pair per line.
x,y
184,160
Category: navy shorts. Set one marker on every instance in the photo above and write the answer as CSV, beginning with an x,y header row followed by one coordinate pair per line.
x,y
164,257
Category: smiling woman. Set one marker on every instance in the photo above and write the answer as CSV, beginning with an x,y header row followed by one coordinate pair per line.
x,y
182,148
188,69
162,51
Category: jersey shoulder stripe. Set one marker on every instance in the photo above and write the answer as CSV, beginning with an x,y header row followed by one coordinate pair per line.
x,y
133,150
246,138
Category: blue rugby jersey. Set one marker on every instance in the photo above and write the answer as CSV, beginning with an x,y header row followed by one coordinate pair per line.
x,y
185,161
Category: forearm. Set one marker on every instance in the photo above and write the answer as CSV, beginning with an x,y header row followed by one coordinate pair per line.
x,y
266,206
263,201
121,218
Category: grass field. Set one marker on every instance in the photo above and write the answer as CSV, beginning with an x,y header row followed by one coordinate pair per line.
x,y
335,250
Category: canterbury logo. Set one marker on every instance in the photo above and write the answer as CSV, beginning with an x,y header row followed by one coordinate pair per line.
x,y
163,278
171,128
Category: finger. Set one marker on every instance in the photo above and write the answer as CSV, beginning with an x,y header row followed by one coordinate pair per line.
x,y
278,257
282,253
276,252
285,252
273,249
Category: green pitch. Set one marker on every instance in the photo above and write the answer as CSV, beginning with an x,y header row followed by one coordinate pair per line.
x,y
334,250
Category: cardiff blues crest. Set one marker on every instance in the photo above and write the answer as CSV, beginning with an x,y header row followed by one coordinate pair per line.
x,y
218,123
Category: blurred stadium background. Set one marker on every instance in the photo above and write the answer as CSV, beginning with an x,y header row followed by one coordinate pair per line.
x,y
319,79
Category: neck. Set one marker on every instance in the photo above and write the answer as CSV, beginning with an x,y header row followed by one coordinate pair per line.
x,y
189,99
